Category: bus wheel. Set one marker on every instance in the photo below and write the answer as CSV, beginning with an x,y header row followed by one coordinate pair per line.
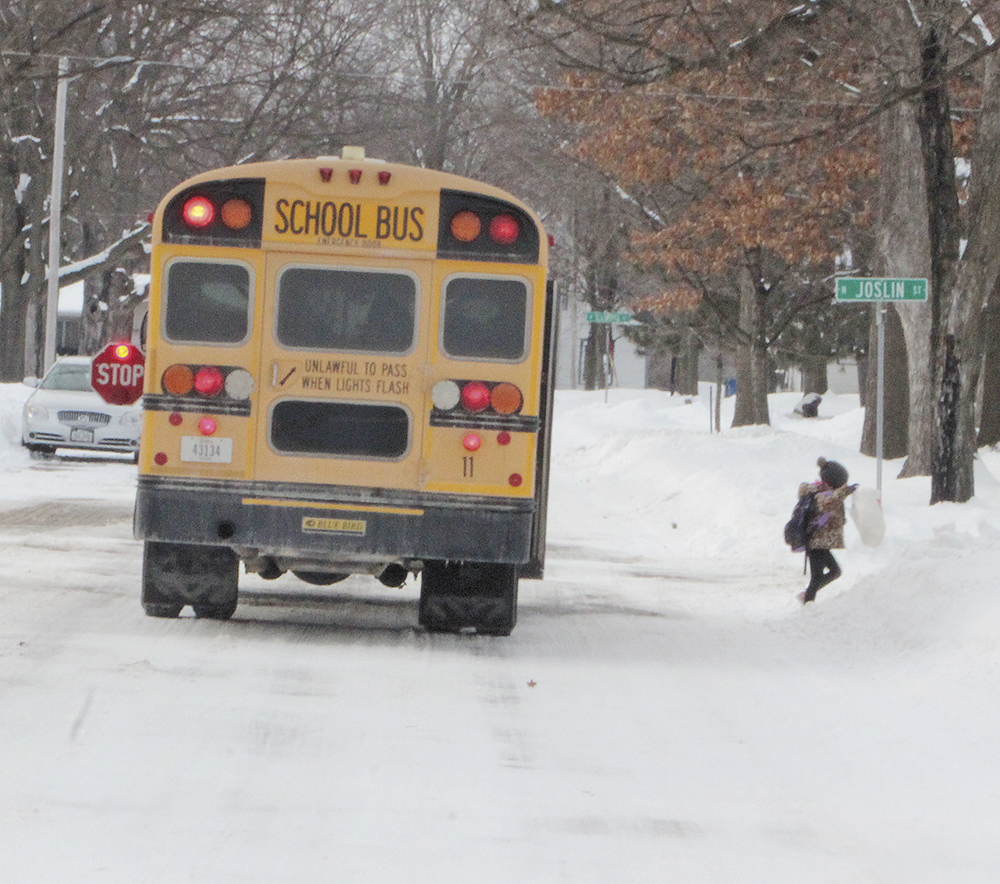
x,y
468,595
220,577
178,574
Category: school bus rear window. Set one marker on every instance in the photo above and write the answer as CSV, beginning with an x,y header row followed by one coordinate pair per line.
x,y
485,318
323,308
207,301
345,429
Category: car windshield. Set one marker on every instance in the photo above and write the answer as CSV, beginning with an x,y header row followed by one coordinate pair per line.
x,y
68,377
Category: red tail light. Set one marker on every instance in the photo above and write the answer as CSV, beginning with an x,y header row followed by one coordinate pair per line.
x,y
208,381
475,396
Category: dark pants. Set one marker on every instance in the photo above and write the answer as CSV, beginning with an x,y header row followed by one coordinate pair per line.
x,y
823,569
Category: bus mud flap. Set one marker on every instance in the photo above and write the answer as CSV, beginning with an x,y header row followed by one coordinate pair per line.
x,y
179,574
455,596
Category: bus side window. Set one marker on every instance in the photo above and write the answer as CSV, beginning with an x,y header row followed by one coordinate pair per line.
x,y
485,318
207,302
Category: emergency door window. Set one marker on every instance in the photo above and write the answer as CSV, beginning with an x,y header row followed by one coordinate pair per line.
x,y
207,302
345,429
485,318
365,311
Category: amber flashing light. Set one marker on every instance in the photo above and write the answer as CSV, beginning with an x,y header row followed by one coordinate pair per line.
x,y
466,226
236,213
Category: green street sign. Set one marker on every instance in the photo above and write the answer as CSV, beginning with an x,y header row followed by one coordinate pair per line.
x,y
873,289
603,316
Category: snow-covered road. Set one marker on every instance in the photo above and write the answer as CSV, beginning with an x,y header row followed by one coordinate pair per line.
x,y
662,712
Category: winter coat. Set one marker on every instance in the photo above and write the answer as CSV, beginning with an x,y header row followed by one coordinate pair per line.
x,y
828,523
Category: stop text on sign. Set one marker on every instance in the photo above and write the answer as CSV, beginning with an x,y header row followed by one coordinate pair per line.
x,y
118,374
878,289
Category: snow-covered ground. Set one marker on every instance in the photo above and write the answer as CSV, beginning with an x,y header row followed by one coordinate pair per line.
x,y
664,711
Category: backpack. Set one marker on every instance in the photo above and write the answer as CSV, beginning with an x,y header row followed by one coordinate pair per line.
x,y
799,528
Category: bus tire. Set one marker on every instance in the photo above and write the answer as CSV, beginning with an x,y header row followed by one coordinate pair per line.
x,y
468,595
168,611
179,574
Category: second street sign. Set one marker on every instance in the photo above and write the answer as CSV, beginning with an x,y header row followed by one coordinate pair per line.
x,y
876,289
604,316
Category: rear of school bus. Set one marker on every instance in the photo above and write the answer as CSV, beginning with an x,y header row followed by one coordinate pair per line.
x,y
348,371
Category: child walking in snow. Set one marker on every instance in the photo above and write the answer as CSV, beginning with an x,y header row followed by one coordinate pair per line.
x,y
827,527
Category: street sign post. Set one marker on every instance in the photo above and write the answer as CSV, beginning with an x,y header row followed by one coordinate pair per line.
x,y
117,373
879,291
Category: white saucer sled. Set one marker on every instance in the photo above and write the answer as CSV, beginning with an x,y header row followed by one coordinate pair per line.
x,y
866,513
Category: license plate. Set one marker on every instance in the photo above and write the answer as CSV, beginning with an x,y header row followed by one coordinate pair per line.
x,y
198,449
81,435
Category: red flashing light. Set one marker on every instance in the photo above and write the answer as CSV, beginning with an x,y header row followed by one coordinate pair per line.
x,y
207,426
475,396
208,381
504,230
198,212
471,442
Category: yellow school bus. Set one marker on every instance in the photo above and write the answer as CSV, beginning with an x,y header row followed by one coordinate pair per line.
x,y
349,371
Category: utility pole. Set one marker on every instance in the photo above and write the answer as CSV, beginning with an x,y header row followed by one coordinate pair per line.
x,y
55,215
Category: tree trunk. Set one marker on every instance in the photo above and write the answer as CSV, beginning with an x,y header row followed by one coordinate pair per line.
x,y
814,377
989,413
904,251
686,367
752,364
660,369
13,324
594,357
122,300
975,280
92,316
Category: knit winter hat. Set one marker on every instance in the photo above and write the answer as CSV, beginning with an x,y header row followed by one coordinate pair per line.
x,y
831,472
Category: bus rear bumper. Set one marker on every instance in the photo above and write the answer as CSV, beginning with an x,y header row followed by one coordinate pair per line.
x,y
354,529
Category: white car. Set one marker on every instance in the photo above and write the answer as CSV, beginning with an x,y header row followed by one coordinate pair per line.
x,y
66,412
